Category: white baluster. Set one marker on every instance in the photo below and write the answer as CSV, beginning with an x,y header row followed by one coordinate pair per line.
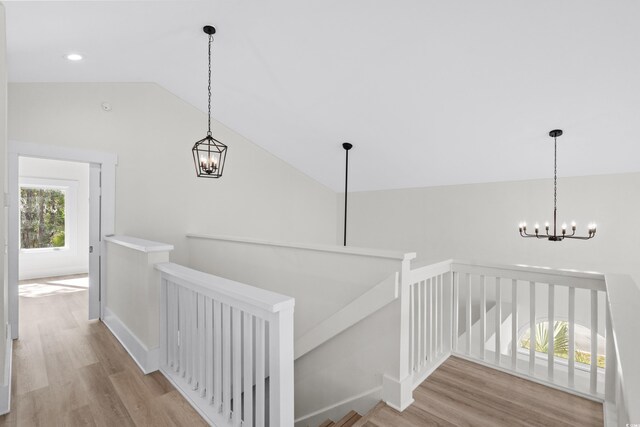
x,y
210,333
468,319
532,330
183,330
594,343
441,312
260,373
498,321
550,334
425,322
247,371
572,335
217,355
202,349
483,315
164,348
434,317
429,316
412,324
226,360
195,351
514,324
456,293
236,365
419,337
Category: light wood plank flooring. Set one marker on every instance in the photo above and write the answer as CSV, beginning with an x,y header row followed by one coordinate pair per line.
x,y
70,371
462,393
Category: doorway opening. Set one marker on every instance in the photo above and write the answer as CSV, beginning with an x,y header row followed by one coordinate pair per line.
x,y
54,234
61,204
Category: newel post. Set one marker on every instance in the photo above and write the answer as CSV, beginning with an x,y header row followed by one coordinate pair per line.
x,y
397,389
281,408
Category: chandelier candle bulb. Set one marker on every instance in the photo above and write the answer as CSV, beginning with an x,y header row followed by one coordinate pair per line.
x,y
563,235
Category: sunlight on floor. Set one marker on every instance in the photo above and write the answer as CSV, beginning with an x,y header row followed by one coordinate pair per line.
x,y
53,286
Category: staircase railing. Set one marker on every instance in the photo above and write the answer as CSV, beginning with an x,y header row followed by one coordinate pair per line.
x,y
482,312
228,347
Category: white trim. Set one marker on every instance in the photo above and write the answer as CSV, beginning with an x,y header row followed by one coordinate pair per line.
x,y
373,253
15,149
610,414
46,151
361,403
147,360
138,244
397,394
5,389
362,307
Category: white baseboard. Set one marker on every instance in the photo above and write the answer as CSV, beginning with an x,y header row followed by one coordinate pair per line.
x,y
5,388
148,360
52,272
361,403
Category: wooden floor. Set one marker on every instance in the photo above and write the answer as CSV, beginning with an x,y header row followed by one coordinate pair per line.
x,y
461,393
70,371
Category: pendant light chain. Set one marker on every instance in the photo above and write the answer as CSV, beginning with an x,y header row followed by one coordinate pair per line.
x,y
209,87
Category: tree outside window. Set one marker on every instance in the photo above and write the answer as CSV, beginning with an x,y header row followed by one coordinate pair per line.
x,y
560,336
42,217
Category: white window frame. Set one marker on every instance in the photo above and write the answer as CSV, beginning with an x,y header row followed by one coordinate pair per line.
x,y
70,188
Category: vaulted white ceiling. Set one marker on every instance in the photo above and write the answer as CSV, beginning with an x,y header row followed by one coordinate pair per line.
x,y
429,92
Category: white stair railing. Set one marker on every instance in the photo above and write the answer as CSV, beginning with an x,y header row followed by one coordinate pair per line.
x,y
431,319
480,312
551,297
228,347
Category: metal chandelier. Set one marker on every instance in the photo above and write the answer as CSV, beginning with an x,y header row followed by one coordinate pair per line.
x,y
209,154
555,237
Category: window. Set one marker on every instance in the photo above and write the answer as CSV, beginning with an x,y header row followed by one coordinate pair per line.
x,y
582,339
43,222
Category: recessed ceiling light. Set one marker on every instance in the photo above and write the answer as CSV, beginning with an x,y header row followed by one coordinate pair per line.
x,y
74,57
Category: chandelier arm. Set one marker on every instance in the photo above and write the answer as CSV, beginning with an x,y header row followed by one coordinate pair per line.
x,y
579,237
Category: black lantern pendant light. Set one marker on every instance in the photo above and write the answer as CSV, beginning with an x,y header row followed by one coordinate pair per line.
x,y
555,237
209,153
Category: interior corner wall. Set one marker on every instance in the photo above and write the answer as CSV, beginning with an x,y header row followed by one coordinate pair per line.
x,y
479,222
4,312
158,196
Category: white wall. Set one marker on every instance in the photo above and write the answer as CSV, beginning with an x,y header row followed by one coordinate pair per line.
x,y
75,258
480,222
158,196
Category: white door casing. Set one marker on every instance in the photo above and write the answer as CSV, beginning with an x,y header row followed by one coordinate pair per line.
x,y
102,216
94,249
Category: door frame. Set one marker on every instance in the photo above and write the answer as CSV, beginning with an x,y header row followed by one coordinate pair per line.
x,y
107,162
